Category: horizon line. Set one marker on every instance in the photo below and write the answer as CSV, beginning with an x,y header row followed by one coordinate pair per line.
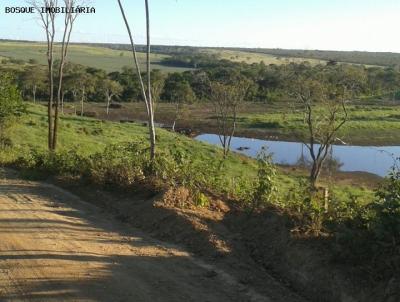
x,y
210,47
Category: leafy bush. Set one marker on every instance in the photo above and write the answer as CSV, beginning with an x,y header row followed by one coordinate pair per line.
x,y
265,187
11,105
386,209
256,194
371,235
46,163
127,165
307,207
119,165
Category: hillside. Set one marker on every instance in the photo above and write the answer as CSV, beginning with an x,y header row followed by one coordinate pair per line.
x,y
113,57
355,57
92,56
276,55
206,230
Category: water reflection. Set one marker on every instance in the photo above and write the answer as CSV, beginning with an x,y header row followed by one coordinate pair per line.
x,y
376,160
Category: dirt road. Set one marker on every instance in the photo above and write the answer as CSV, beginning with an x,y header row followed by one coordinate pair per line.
x,y
54,247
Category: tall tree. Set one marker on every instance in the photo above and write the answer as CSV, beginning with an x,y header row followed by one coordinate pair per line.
x,y
33,78
181,94
325,113
87,84
47,18
69,20
131,85
48,21
146,93
226,99
110,89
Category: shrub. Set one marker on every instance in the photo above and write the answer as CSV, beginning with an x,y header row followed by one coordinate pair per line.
x,y
128,165
46,163
11,105
386,225
264,188
307,207
371,234
119,165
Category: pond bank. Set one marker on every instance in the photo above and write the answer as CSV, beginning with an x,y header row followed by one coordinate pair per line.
x,y
346,158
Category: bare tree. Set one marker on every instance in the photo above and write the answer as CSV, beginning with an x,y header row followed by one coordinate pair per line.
x,y
226,99
69,20
48,23
146,93
324,109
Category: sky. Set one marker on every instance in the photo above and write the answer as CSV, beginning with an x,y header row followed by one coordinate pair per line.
x,y
365,25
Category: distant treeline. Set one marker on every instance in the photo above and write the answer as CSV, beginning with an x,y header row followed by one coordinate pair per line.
x,y
266,83
356,57
160,49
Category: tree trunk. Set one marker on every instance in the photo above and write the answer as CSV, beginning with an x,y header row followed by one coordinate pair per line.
x,y
34,94
64,52
314,174
232,132
173,126
108,104
82,99
62,103
152,129
50,105
146,95
50,39
226,148
55,129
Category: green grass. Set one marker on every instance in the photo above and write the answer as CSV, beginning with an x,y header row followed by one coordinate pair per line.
x,y
88,136
251,57
367,125
99,57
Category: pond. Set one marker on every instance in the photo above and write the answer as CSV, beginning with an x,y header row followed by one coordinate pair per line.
x,y
376,160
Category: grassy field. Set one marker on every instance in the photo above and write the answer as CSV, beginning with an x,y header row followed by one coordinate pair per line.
x,y
113,60
103,58
87,136
251,57
367,125
377,125
353,57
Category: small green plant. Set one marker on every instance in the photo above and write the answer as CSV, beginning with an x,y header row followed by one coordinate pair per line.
x,y
201,200
265,187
